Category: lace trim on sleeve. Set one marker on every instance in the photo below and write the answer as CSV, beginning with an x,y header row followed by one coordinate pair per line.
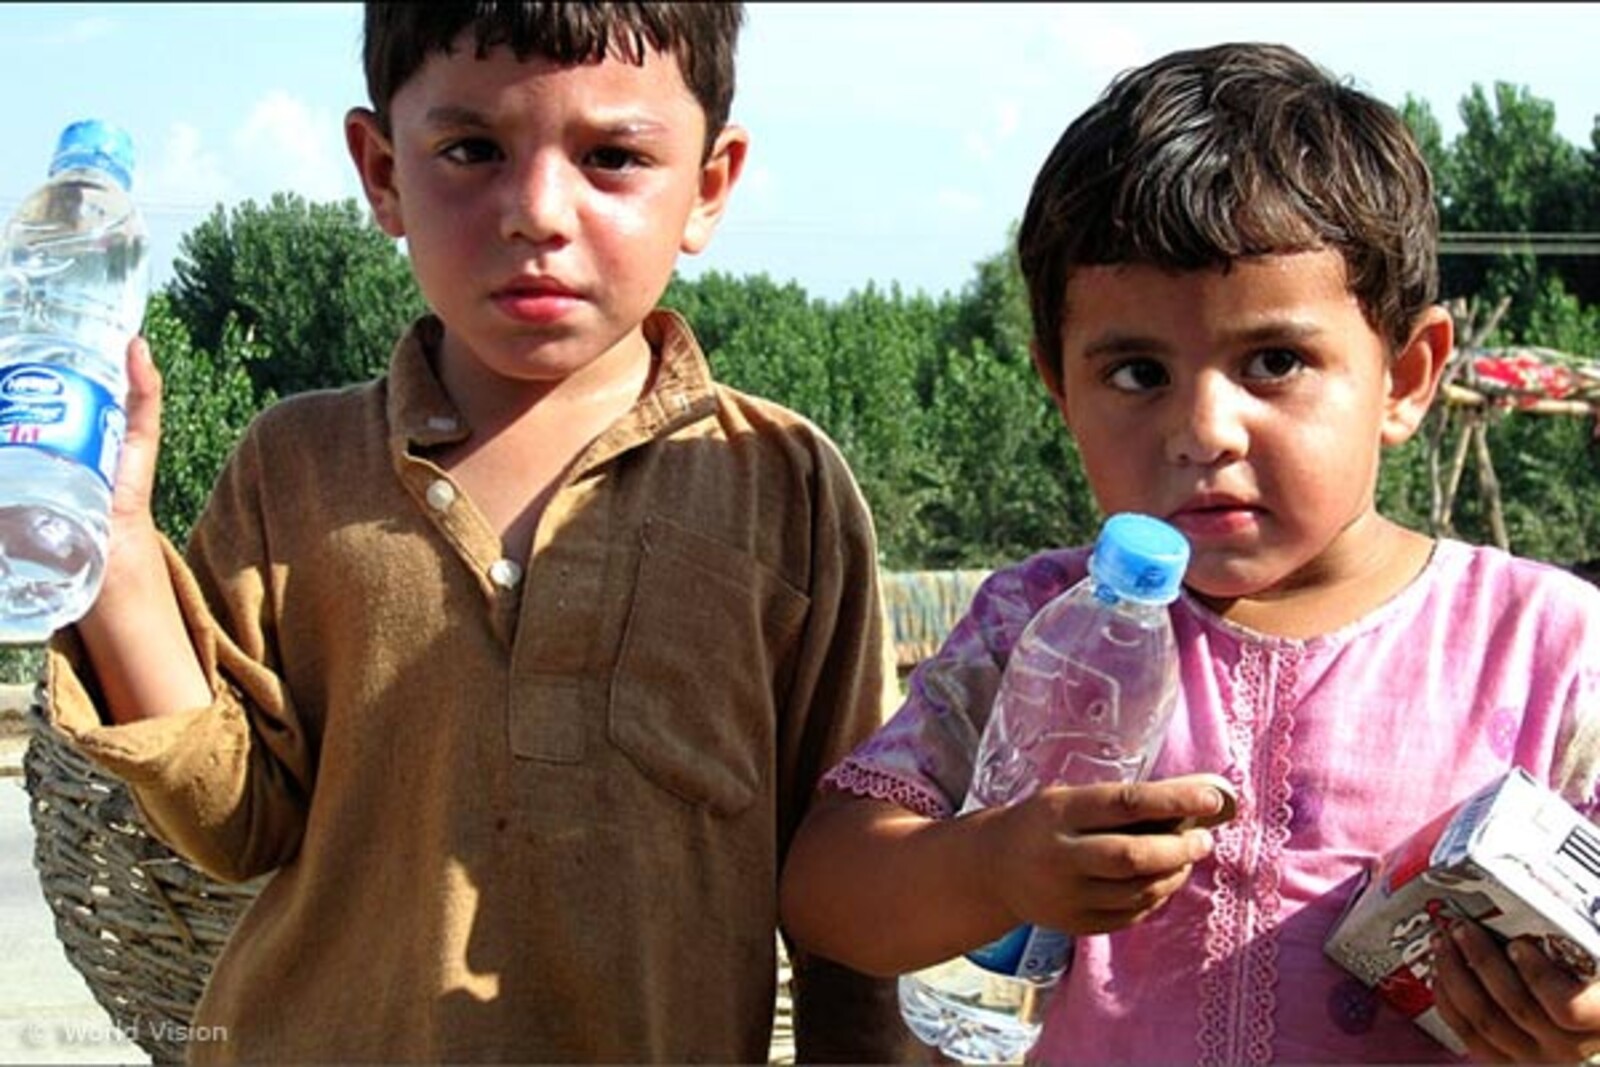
x,y
852,777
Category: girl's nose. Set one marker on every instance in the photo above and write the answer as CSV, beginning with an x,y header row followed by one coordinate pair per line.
x,y
540,201
1209,423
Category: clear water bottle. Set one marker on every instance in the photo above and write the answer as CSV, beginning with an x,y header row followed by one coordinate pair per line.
x,y
74,278
1085,697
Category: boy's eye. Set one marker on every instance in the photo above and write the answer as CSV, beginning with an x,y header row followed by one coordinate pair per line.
x,y
1137,375
611,157
1273,364
471,150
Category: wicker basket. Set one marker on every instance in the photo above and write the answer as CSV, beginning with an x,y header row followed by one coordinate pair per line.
x,y
141,924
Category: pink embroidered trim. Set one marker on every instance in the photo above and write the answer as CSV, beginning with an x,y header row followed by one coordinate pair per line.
x,y
851,777
1239,977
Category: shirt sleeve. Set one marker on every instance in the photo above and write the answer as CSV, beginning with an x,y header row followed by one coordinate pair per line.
x,y
922,759
843,685
226,786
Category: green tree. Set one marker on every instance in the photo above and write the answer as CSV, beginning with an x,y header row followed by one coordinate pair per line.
x,y
322,290
1510,171
207,400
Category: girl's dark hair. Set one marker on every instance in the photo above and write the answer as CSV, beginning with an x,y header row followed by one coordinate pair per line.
x,y
1211,155
399,37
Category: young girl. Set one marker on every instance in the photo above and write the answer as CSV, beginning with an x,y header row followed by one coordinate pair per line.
x,y
1231,265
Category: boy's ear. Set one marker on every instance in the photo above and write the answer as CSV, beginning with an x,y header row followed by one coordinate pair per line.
x,y
373,156
1414,375
718,174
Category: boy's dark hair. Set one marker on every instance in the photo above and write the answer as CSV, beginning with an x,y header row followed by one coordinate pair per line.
x,y
1210,155
399,37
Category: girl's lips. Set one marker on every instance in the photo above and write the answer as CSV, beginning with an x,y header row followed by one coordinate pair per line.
x,y
1212,521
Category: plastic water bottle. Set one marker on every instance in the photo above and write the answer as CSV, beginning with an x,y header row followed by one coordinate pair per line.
x,y
1086,697
74,278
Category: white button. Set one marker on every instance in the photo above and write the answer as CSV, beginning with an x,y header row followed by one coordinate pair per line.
x,y
505,573
441,494
441,422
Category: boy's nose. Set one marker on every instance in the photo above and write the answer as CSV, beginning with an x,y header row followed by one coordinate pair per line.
x,y
1208,424
539,202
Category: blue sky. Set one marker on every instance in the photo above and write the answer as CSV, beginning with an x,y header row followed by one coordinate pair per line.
x,y
892,144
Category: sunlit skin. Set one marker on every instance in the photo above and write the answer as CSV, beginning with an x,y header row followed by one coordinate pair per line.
x,y
543,208
1249,407
1512,1004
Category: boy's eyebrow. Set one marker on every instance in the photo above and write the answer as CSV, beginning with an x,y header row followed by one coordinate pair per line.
x,y
1279,331
454,115
625,125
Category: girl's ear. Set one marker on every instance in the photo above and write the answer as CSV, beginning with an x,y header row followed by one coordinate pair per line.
x,y
1051,376
718,175
373,155
1414,375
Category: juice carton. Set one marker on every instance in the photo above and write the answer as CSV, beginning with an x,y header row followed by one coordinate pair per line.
x,y
1514,858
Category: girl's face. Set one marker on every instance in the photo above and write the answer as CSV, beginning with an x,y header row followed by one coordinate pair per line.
x,y
1248,407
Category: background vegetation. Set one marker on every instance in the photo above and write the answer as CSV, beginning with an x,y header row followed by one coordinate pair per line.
x,y
932,399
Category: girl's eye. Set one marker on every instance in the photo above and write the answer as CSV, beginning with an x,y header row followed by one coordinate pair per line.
x,y
1274,363
610,157
1137,375
471,150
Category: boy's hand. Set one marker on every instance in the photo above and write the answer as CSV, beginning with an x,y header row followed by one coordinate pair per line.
x,y
133,525
1090,859
134,634
1512,1003
134,563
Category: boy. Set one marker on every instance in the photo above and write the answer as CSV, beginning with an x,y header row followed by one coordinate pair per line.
x,y
1230,259
519,664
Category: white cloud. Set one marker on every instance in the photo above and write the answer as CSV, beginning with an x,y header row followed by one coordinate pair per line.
x,y
1101,40
183,172
983,143
287,146
74,32
960,201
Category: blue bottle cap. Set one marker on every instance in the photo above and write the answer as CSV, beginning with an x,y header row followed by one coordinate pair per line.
x,y
1140,558
92,143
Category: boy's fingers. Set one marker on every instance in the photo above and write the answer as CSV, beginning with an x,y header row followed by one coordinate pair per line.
x,y
136,465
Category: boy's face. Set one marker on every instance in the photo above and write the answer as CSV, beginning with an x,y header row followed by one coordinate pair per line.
x,y
544,207
1248,408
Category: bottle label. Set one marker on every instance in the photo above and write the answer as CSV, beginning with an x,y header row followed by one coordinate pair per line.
x,y
55,409
1032,952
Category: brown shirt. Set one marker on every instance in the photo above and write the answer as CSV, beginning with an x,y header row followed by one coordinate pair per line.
x,y
519,810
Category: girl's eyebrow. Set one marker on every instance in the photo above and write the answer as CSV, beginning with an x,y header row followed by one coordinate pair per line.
x,y
1121,344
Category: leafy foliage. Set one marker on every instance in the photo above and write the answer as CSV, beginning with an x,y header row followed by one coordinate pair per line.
x,y
933,401
208,401
317,286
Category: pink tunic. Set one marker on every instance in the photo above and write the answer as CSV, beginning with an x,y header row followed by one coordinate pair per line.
x,y
1339,746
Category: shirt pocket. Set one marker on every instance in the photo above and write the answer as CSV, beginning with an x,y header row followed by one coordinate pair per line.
x,y
692,700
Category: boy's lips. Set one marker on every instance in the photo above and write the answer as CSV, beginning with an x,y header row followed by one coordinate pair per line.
x,y
535,300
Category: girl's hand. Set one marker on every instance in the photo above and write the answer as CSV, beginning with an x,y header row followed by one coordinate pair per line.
x,y
1091,859
1512,1004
